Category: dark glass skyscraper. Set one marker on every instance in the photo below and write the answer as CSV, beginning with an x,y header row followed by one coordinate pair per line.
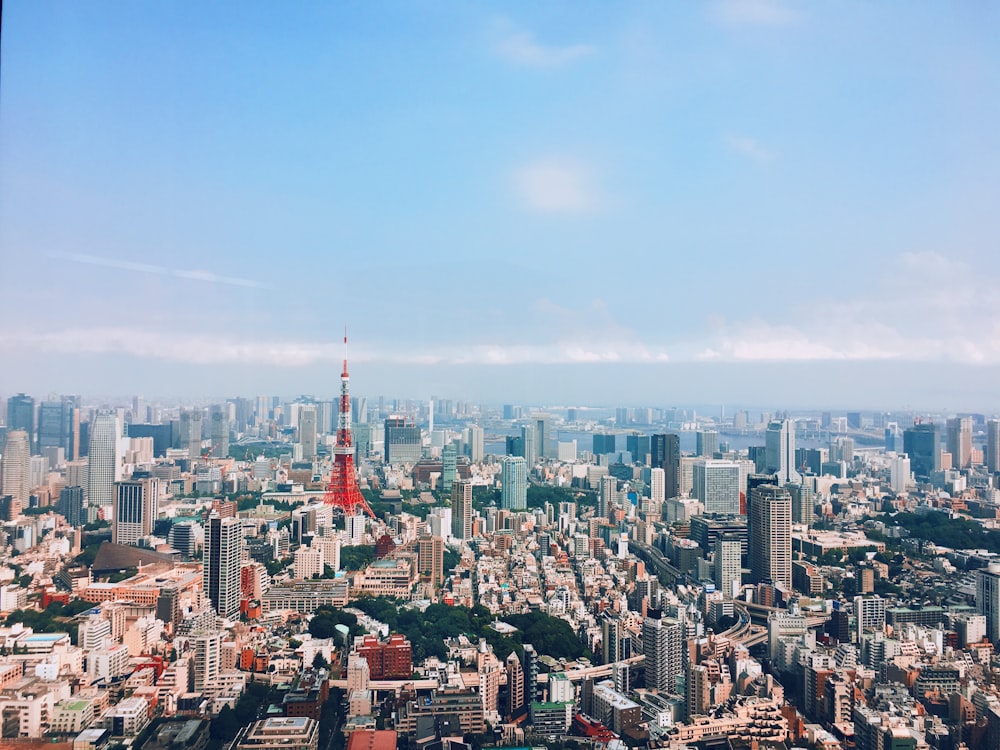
x,y
665,452
21,416
922,443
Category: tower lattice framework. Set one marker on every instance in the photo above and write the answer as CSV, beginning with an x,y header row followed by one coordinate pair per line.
x,y
342,491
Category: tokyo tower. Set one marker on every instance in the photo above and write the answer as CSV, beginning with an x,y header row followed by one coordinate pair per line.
x,y
343,491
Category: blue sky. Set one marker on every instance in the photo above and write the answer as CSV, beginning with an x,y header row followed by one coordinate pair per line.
x,y
192,197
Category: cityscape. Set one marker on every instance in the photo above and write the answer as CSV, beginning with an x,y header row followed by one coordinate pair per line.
x,y
466,376
353,571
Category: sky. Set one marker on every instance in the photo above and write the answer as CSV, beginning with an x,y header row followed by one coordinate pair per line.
x,y
792,204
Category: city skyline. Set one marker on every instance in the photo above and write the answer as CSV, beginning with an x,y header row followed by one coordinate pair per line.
x,y
745,201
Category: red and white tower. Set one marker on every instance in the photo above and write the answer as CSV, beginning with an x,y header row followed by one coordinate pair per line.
x,y
343,491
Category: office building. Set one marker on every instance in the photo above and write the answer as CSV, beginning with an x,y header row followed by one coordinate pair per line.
x,y
922,443
103,461
191,432
280,733
221,564
220,431
402,442
960,441
207,647
529,442
308,431
728,564
869,614
662,649
21,416
771,535
513,483
136,509
638,447
449,466
657,485
665,453
15,479
73,505
543,436
988,599
603,444
992,457
59,427
717,485
706,443
461,510
476,444
780,448
430,558
616,640
803,502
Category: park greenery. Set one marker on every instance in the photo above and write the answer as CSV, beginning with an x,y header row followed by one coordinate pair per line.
x,y
356,557
939,528
428,630
55,618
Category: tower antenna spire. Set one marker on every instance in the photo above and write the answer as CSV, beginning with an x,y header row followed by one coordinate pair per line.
x,y
342,491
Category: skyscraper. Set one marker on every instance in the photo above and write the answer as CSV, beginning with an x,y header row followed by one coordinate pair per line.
x,y
220,431
221,564
803,502
717,485
513,483
308,431
430,558
73,505
476,444
922,443
603,444
662,641
988,599
16,477
529,440
665,453
402,441
103,461
960,441
780,447
461,509
706,443
616,641
136,509
449,466
728,572
59,426
992,457
771,535
657,485
21,416
191,432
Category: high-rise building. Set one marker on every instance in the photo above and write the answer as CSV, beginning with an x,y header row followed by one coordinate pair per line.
x,y
988,599
717,485
136,509
922,443
461,509
706,443
191,431
603,444
59,426
73,505
869,614
992,457
221,564
607,498
657,485
207,647
960,441
529,441
103,461
780,446
638,447
803,502
308,434
15,479
402,441
662,649
515,685
430,558
477,444
21,416
616,641
543,436
449,466
665,453
771,535
513,483
220,431
727,563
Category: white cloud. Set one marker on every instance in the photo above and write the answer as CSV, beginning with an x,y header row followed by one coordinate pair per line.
x,y
554,186
749,147
521,48
755,12
189,274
